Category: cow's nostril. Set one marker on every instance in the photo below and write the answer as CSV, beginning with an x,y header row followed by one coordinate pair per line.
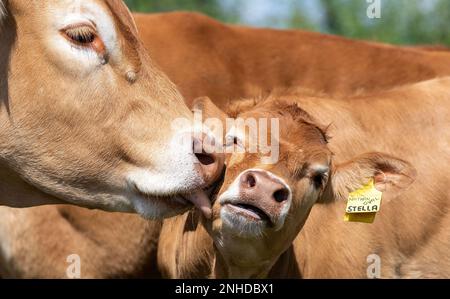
x,y
205,159
250,181
281,195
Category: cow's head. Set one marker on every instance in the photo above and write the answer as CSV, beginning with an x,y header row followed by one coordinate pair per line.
x,y
85,115
261,208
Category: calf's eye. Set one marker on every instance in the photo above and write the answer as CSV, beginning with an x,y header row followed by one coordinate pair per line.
x,y
316,174
319,175
317,180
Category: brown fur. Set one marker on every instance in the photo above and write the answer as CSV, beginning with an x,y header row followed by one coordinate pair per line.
x,y
241,63
118,246
70,144
70,136
410,234
227,63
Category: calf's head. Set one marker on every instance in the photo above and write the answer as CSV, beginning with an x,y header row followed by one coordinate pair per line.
x,y
85,115
261,208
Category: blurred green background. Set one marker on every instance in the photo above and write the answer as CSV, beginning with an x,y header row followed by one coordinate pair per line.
x,y
401,22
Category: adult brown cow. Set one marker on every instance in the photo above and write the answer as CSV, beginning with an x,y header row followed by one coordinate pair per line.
x,y
261,207
241,62
86,117
227,62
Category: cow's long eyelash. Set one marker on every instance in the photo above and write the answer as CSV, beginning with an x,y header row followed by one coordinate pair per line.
x,y
83,35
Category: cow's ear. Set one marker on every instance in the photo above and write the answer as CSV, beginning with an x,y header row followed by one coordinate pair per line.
x,y
208,109
390,175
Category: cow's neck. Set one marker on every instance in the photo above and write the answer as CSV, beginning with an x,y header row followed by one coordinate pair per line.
x,y
229,268
286,266
15,192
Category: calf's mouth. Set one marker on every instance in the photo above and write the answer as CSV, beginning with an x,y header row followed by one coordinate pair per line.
x,y
249,211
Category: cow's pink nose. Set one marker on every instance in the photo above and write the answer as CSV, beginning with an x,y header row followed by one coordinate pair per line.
x,y
211,161
261,186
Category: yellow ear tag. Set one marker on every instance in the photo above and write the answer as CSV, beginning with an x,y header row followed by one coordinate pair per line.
x,y
363,204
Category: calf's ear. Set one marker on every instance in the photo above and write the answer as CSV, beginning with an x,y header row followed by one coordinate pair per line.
x,y
390,175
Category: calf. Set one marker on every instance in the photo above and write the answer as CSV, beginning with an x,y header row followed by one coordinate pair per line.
x,y
261,208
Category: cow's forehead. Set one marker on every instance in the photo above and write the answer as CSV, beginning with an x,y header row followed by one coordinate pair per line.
x,y
116,8
111,19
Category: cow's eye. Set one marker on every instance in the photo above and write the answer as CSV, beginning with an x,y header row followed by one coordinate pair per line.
x,y
80,35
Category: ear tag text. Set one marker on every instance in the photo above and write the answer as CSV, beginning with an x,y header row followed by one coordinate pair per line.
x,y
363,204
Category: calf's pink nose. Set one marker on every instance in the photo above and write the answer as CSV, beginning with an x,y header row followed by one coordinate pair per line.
x,y
261,186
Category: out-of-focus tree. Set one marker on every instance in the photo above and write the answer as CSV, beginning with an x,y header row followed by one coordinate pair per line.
x,y
401,22
439,26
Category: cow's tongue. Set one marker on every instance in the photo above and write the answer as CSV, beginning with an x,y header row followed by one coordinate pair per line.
x,y
201,201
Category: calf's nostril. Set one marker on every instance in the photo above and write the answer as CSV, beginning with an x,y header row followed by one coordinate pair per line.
x,y
281,195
